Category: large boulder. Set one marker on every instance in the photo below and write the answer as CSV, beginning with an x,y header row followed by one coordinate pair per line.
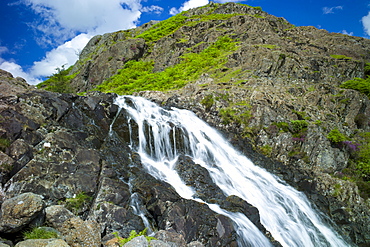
x,y
19,211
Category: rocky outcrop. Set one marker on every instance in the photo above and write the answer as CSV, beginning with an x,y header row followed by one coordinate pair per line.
x,y
68,171
85,177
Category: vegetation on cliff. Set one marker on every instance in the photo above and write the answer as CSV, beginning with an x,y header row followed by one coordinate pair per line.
x,y
59,81
360,84
138,76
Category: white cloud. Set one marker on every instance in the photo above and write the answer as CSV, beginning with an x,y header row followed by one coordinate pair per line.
x,y
196,3
63,19
366,23
66,54
347,33
17,70
330,10
3,49
188,5
153,8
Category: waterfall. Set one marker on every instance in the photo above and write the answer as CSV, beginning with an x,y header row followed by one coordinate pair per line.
x,y
284,212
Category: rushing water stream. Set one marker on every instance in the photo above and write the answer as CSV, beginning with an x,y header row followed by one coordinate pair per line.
x,y
285,212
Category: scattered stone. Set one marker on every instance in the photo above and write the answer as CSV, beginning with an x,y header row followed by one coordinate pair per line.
x,y
42,243
79,233
137,242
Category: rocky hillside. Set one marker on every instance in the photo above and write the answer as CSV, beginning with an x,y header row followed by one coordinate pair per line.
x,y
272,88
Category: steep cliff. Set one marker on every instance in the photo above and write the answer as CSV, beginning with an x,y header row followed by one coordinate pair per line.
x,y
272,88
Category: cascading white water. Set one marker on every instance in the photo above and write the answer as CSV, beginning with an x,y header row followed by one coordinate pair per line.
x,y
285,212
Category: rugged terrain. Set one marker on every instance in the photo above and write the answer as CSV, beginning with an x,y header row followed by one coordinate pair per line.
x,y
273,89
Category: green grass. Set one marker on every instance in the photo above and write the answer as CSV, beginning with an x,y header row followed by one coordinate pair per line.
x,y
341,57
282,126
137,76
39,233
163,28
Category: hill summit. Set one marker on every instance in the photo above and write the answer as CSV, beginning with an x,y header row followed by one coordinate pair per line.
x,y
227,41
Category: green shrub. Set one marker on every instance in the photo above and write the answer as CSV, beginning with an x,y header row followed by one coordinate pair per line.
x,y
363,160
335,136
266,150
283,126
359,84
364,188
235,114
298,125
39,233
358,170
301,115
4,143
78,202
367,69
208,101
268,46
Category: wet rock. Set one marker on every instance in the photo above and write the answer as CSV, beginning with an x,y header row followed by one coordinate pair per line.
x,y
193,220
19,211
198,178
236,204
113,218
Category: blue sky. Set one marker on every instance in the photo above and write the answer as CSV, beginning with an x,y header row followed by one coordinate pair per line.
x,y
38,36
